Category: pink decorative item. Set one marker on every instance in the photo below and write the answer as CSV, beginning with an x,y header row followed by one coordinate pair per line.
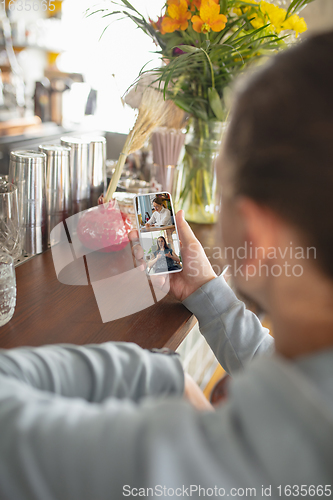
x,y
104,228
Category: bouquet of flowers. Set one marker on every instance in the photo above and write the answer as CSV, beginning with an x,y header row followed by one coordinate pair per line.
x,y
203,45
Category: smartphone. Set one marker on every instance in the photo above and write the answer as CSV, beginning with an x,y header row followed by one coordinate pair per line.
x,y
158,233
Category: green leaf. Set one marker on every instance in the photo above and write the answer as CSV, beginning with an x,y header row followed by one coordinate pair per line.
x,y
129,6
88,13
223,5
246,39
170,69
200,113
188,48
297,5
183,105
215,103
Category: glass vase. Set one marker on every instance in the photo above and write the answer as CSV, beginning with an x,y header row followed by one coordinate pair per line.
x,y
196,187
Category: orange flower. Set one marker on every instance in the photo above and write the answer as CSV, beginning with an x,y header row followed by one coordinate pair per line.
x,y
178,16
197,4
210,18
156,24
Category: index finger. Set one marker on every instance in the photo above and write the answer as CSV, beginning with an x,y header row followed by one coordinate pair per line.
x,y
133,236
137,250
186,234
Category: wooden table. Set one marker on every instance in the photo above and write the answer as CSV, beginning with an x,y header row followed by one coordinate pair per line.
x,y
49,312
156,228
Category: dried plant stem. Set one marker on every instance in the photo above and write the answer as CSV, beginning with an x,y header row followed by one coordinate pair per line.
x,y
119,167
152,112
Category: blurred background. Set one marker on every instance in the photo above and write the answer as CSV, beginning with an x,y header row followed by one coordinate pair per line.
x,y
55,65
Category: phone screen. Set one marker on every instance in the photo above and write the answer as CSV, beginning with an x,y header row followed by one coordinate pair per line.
x,y
158,233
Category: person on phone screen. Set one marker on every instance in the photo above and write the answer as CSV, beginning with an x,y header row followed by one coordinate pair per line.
x,y
161,215
164,258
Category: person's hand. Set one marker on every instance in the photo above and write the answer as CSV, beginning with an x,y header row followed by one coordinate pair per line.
x,y
195,396
159,256
137,251
197,269
147,225
168,255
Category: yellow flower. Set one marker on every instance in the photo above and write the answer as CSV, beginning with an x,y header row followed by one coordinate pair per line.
x,y
239,11
209,19
270,13
275,15
295,23
177,18
256,21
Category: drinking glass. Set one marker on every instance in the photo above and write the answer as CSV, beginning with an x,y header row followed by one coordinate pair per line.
x,y
7,288
10,233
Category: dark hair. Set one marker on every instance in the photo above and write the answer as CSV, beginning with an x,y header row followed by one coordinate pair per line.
x,y
280,141
159,201
165,243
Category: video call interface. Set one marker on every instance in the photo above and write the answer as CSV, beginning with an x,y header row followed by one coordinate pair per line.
x,y
158,233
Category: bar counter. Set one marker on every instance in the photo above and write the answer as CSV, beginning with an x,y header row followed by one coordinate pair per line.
x,y
49,312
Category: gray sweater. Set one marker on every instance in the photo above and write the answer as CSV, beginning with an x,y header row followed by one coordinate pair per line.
x,y
108,421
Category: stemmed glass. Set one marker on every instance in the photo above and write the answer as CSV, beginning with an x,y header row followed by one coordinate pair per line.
x,y
7,288
10,233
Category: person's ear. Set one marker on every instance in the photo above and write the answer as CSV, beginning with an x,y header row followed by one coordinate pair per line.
x,y
259,228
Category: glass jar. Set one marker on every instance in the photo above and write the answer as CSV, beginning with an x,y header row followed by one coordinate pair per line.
x,y
196,186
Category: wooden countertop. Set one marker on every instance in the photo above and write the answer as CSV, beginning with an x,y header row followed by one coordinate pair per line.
x,y
49,312
155,228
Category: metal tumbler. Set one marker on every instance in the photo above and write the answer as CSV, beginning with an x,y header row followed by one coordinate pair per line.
x,y
58,184
97,168
79,172
27,172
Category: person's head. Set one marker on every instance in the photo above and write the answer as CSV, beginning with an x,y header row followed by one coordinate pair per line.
x,y
158,204
162,244
277,174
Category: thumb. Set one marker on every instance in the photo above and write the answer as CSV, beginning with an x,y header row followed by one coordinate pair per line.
x,y
186,234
